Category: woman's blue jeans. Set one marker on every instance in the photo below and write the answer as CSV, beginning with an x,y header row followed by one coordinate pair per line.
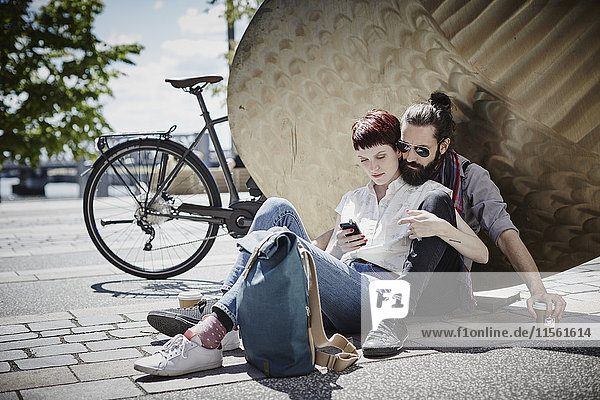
x,y
343,288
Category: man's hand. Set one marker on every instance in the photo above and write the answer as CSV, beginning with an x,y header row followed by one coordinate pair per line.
x,y
555,305
513,247
422,224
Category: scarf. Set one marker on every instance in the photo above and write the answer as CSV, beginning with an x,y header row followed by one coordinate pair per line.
x,y
448,174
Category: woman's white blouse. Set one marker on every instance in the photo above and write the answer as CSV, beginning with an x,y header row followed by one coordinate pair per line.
x,y
388,243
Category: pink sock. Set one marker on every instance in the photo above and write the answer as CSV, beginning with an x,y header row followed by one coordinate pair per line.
x,y
210,331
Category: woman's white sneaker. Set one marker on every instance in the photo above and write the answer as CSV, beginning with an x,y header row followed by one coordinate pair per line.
x,y
180,356
231,341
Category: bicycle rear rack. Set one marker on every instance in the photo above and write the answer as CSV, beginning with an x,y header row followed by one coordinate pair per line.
x,y
102,142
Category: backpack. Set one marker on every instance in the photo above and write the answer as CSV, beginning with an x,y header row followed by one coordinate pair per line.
x,y
279,310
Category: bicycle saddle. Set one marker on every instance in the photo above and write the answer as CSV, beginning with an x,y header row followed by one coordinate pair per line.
x,y
189,82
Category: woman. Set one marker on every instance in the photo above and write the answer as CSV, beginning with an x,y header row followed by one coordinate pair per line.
x,y
345,264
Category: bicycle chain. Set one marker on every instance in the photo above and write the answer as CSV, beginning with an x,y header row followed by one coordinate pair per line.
x,y
191,242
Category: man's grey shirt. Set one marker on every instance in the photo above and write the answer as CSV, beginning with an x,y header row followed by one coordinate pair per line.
x,y
483,205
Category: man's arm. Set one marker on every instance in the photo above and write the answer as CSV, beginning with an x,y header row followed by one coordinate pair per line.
x,y
511,245
488,207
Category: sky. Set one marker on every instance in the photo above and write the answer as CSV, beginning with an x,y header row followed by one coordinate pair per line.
x,y
182,39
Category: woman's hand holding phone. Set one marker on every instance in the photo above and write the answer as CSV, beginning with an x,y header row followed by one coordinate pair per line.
x,y
349,237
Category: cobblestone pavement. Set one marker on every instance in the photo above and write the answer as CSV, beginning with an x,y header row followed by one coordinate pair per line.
x,y
83,345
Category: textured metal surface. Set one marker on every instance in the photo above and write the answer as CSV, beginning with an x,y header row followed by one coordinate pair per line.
x,y
306,70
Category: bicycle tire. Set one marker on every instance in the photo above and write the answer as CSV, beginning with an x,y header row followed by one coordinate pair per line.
x,y
117,192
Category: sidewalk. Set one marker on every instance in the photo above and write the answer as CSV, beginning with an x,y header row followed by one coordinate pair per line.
x,y
88,352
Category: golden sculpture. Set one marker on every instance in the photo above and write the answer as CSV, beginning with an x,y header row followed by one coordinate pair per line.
x,y
524,79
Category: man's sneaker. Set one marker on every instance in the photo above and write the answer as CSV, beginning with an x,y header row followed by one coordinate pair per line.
x,y
176,321
180,356
386,340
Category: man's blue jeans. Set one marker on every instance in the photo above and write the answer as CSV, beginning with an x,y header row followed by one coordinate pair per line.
x,y
343,288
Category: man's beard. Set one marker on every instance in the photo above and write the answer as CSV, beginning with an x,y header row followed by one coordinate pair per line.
x,y
417,177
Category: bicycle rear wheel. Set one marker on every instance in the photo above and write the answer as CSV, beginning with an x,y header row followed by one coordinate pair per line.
x,y
149,239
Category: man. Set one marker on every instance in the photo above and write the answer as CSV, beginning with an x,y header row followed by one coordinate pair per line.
x,y
429,154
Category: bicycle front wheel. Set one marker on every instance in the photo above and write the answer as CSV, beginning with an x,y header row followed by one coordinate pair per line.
x,y
138,230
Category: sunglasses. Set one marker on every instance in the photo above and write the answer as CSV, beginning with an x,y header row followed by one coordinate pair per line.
x,y
404,147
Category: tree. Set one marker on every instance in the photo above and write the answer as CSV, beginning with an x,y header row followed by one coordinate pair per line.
x,y
53,73
236,10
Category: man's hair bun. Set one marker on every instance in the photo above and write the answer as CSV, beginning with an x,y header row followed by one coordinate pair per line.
x,y
441,100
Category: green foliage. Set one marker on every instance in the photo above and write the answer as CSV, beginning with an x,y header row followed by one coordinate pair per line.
x,y
234,10
53,72
237,9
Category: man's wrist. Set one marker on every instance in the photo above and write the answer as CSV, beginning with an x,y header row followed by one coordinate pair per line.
x,y
538,291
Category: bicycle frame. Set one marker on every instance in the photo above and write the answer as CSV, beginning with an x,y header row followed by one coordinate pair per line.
x,y
212,133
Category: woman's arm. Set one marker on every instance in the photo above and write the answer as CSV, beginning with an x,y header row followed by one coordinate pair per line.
x,y
322,241
463,239
339,241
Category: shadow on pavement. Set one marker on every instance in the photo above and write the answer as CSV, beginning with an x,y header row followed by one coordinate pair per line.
x,y
155,288
586,351
317,385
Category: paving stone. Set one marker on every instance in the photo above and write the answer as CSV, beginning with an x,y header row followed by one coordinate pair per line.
x,y
16,278
593,267
4,367
577,304
121,309
9,396
27,319
68,348
104,370
135,324
138,316
131,333
99,320
90,329
77,272
24,344
119,343
222,375
45,362
12,355
110,355
576,278
106,389
151,349
56,332
85,337
12,329
50,325
18,336
576,288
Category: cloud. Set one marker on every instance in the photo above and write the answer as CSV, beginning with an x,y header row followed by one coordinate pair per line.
x,y
144,102
158,5
123,38
202,23
190,48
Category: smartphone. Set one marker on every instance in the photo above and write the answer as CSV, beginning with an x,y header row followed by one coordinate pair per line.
x,y
350,225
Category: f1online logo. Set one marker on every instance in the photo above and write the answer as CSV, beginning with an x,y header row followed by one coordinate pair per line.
x,y
389,299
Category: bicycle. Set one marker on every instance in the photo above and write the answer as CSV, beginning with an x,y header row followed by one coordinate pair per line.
x,y
152,207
